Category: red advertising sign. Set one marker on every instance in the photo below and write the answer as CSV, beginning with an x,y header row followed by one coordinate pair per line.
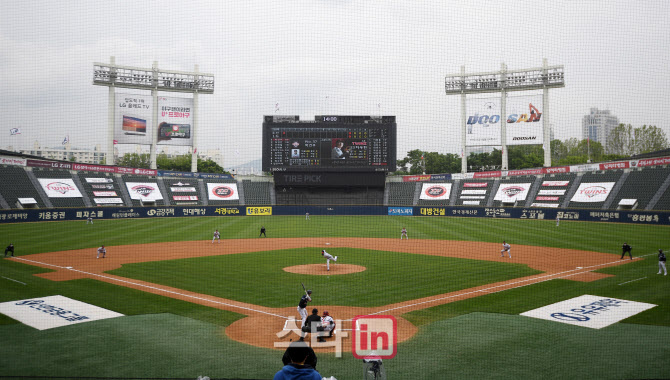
x,y
475,184
525,172
654,161
615,165
416,178
488,174
546,198
557,169
185,197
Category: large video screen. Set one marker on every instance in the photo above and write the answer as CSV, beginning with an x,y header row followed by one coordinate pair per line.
x,y
330,143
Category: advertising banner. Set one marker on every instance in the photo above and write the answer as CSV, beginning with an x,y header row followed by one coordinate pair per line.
x,y
175,121
406,211
435,191
615,165
182,189
593,192
100,186
557,169
483,122
185,197
54,311
133,122
474,192
99,180
547,198
59,188
492,174
551,192
101,201
8,160
654,161
475,184
104,193
555,183
416,178
553,205
471,203
473,197
524,120
259,211
222,191
512,192
590,311
147,191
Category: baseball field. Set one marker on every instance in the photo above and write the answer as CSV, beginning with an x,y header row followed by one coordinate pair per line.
x,y
196,308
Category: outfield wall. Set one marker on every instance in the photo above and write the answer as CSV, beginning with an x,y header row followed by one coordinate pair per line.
x,y
82,214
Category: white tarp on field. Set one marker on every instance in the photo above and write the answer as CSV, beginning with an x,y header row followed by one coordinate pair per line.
x,y
54,311
589,311
435,191
593,192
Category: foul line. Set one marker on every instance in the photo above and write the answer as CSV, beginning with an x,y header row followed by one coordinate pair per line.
x,y
159,289
526,282
638,279
10,279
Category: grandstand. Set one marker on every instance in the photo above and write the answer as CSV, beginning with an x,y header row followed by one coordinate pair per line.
x,y
474,192
400,193
641,185
17,184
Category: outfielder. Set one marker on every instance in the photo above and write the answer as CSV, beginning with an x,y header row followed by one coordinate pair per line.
x,y
403,232
217,236
302,305
89,220
328,257
306,216
101,251
661,262
506,248
558,220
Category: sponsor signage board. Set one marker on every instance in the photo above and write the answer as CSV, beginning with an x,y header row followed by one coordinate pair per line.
x,y
476,184
512,192
551,192
105,193
406,211
555,183
550,205
222,191
473,192
59,188
147,191
592,192
182,189
108,200
185,197
99,180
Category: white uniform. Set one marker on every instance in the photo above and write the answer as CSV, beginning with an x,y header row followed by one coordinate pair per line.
x,y
217,235
557,221
89,220
328,257
403,232
506,248
306,216
101,251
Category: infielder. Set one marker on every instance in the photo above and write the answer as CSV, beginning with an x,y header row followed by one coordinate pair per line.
x,y
328,257
403,232
89,220
302,305
506,248
101,251
10,248
626,248
217,236
661,262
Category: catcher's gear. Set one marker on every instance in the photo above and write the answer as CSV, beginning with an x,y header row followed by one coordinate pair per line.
x,y
325,313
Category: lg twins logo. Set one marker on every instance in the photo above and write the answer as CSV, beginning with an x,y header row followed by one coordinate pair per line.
x,y
223,191
60,187
592,191
513,191
436,191
143,190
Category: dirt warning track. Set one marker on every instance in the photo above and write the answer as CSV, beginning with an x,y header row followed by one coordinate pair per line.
x,y
262,324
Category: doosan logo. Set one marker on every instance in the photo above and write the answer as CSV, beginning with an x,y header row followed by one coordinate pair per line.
x,y
60,187
143,190
222,191
593,191
524,138
436,191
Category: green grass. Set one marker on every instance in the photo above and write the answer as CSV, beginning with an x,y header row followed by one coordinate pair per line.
x,y
482,337
258,277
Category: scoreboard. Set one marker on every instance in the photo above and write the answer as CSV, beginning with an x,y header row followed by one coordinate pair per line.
x,y
329,143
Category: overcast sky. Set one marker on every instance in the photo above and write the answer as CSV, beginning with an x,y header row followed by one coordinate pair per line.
x,y
328,57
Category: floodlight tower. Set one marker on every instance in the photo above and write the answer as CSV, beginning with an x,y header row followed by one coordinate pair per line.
x,y
154,80
542,78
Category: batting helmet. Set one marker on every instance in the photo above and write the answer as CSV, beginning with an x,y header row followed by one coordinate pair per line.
x,y
309,292
325,313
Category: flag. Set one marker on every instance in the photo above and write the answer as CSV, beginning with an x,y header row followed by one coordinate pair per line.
x,y
14,131
116,142
66,140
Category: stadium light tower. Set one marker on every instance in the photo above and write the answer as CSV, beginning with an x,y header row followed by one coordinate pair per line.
x,y
503,81
154,80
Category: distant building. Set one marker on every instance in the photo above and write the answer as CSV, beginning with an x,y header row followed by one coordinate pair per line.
x,y
66,153
598,125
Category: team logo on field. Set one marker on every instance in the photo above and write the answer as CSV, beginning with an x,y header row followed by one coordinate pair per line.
x,y
143,190
436,191
223,191
60,187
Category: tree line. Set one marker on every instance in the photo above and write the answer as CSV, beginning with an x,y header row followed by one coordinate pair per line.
x,y
163,162
623,141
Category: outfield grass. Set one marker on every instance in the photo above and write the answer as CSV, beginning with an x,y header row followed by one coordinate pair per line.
x,y
481,337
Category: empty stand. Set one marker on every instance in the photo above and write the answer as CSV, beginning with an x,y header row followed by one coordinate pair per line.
x,y
16,184
641,185
401,193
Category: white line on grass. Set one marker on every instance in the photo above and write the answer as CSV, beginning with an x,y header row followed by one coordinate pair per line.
x,y
638,279
10,279
159,289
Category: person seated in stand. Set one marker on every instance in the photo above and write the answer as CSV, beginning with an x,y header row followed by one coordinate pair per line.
x,y
299,355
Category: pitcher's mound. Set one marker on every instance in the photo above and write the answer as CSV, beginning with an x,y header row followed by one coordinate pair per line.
x,y
320,269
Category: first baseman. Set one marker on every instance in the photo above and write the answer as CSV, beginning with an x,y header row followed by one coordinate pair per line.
x,y
101,251
302,305
217,236
506,248
10,248
626,248
328,257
